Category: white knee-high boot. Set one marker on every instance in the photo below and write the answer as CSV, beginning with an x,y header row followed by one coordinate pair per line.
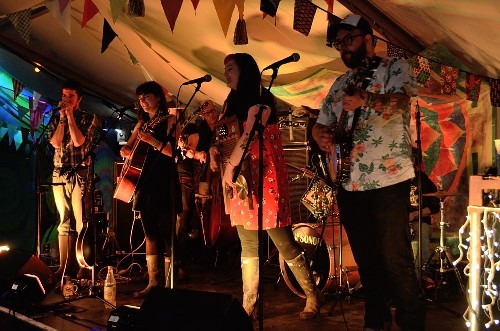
x,y
250,277
156,274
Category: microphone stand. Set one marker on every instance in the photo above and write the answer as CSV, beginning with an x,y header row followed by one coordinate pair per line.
x,y
40,187
258,127
171,137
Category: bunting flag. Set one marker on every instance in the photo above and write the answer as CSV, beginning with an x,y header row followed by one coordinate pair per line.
x,y
240,33
117,7
136,8
11,130
3,131
89,11
107,36
224,10
495,92
330,6
21,111
62,5
449,77
303,16
472,88
395,51
422,70
195,4
36,97
270,7
171,8
17,87
36,114
63,18
21,21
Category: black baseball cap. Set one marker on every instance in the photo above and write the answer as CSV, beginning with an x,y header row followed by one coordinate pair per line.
x,y
351,22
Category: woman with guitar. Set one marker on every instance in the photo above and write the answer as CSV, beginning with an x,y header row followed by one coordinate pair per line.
x,y
157,190
246,97
373,97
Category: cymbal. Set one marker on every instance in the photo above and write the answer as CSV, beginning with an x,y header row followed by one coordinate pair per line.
x,y
440,194
306,172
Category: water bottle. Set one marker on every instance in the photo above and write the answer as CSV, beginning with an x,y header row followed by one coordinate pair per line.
x,y
110,288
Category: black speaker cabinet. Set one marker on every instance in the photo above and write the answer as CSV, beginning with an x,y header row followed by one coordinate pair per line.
x,y
181,309
25,278
297,157
293,131
129,233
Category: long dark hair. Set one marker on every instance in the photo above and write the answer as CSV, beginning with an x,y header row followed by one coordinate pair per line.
x,y
249,90
155,89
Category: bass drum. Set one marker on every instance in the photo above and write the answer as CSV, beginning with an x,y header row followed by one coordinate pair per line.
x,y
324,253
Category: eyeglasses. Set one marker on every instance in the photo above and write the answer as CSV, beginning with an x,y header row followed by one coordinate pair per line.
x,y
346,41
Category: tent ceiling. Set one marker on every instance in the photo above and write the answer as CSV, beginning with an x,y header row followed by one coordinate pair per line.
x,y
467,29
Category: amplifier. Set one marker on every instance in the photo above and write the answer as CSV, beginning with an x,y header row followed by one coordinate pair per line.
x,y
293,130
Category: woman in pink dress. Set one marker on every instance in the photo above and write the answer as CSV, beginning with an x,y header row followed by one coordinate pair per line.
x,y
247,96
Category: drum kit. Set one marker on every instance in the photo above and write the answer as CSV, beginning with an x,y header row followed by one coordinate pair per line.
x,y
324,242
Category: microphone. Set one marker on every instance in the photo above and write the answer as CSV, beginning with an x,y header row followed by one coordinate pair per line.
x,y
292,58
200,80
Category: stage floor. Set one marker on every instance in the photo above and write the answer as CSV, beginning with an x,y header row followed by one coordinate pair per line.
x,y
281,305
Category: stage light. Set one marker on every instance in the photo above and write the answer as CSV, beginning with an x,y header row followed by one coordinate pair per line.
x,y
4,248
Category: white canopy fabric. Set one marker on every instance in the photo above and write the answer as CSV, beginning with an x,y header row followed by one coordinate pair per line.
x,y
467,29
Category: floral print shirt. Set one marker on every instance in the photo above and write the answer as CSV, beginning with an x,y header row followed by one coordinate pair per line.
x,y
381,150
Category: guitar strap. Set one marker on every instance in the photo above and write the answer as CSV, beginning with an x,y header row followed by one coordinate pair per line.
x,y
365,76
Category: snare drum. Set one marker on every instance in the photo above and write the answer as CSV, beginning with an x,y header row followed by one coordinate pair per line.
x,y
325,258
318,198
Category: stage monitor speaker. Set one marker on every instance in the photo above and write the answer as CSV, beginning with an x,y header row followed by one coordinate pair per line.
x,y
180,309
123,221
28,279
293,131
297,157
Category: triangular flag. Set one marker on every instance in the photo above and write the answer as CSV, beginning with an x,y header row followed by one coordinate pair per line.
x,y
449,77
36,98
224,9
303,16
17,87
107,36
171,8
132,57
3,131
195,4
395,51
21,21
330,6
62,5
472,88
270,7
422,70
21,111
36,113
89,11
63,18
12,130
117,8
495,92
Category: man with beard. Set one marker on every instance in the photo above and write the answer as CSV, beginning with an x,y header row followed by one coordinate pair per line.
x,y
365,117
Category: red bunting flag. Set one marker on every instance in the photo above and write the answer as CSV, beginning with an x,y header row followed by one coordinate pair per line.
x,y
449,77
89,11
171,8
303,16
195,3
495,92
330,6
37,113
472,88
17,87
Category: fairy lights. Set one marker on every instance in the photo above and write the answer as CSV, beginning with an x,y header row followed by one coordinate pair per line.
x,y
482,252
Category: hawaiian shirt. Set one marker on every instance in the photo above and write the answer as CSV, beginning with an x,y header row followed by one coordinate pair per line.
x,y
381,150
